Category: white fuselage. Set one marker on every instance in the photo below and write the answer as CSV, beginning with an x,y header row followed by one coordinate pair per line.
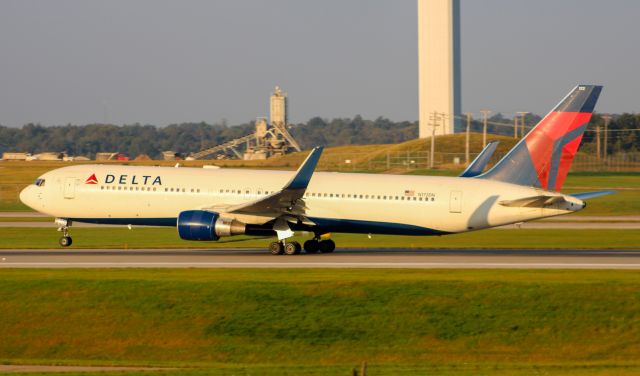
x,y
149,195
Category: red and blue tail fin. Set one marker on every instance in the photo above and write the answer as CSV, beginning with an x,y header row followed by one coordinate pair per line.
x,y
543,157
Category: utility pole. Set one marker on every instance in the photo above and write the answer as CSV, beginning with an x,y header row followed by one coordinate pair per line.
x,y
434,122
485,114
522,114
606,118
598,142
515,126
466,143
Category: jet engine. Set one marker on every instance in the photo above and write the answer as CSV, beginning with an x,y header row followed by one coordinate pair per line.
x,y
205,225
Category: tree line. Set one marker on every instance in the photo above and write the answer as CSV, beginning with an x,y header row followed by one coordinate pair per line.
x,y
185,138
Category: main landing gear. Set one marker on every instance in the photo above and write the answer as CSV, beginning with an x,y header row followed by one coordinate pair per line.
x,y
63,226
314,245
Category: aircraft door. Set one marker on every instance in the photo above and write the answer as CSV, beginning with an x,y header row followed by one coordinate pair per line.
x,y
455,202
69,188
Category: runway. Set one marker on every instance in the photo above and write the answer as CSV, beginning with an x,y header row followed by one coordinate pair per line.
x,y
350,258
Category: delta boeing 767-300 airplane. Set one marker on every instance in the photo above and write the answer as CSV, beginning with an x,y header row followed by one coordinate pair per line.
x,y
207,204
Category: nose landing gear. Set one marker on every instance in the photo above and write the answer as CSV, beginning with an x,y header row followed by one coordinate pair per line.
x,y
63,226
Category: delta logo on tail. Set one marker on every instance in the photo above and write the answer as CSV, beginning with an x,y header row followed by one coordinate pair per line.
x,y
554,142
92,179
543,158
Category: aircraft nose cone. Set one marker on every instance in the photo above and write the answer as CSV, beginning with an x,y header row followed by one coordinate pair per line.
x,y
26,196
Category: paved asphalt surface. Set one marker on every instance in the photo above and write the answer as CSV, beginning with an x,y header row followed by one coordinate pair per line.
x,y
348,258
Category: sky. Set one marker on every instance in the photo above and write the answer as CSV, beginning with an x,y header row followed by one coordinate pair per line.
x,y
161,62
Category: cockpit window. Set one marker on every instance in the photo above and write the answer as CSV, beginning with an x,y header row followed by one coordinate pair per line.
x,y
39,182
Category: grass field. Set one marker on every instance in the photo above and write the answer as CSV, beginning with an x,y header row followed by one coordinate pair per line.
x,y
26,219
168,238
325,322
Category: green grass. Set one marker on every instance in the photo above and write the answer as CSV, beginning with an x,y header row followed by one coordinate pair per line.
x,y
26,219
313,322
168,238
623,202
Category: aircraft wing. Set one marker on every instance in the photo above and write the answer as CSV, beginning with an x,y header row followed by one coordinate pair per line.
x,y
288,203
477,166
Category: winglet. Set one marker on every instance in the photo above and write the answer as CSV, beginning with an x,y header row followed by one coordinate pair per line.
x,y
477,166
305,171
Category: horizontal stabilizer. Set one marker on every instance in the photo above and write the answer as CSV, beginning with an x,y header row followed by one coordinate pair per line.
x,y
588,195
477,166
533,201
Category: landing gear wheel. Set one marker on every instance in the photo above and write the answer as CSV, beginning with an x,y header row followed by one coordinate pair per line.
x,y
65,241
311,246
327,246
292,248
276,248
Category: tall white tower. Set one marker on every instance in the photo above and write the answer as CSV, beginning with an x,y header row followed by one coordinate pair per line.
x,y
439,65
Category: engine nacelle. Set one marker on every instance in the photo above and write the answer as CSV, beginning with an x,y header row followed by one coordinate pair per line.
x,y
205,225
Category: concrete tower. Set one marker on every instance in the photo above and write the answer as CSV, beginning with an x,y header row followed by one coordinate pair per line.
x,y
439,65
278,107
